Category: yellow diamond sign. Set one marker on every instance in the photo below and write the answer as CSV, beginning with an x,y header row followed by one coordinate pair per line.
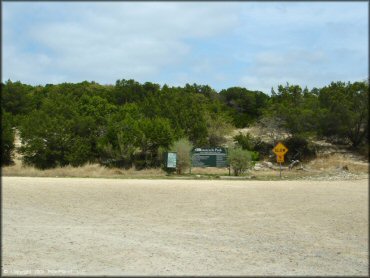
x,y
280,149
280,158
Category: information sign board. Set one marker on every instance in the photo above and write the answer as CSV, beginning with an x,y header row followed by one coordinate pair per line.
x,y
171,160
209,157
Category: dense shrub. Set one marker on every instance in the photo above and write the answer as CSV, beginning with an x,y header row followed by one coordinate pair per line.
x,y
255,156
239,160
252,144
299,148
244,141
263,148
183,149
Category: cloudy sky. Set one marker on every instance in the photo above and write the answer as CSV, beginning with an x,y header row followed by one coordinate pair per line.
x,y
249,44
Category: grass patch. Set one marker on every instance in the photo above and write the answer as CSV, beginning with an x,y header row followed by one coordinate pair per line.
x,y
321,165
330,162
85,171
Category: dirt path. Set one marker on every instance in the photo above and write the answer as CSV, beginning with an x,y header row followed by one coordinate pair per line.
x,y
62,226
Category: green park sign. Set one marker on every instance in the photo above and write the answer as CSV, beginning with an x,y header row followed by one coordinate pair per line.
x,y
209,157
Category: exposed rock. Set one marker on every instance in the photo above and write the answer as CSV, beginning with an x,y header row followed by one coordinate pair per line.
x,y
267,164
294,163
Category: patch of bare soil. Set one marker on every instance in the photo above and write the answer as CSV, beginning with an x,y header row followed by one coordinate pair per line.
x,y
72,226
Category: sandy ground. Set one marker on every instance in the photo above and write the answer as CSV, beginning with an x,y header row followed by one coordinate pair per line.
x,y
74,226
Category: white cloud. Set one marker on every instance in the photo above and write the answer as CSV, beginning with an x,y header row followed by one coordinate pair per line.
x,y
299,66
310,44
257,45
104,42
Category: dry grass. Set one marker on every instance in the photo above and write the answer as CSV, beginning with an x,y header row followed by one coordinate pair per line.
x,y
269,174
323,163
331,162
210,170
87,170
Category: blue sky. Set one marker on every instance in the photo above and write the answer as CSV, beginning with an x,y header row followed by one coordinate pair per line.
x,y
257,45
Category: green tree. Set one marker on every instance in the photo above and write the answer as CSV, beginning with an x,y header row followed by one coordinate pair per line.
x,y
344,111
122,138
130,91
63,131
157,133
245,106
7,139
16,97
293,109
185,110
45,140
131,138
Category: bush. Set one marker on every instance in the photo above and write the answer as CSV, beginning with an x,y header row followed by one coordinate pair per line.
x,y
140,161
183,148
245,141
239,160
263,148
218,126
255,156
299,148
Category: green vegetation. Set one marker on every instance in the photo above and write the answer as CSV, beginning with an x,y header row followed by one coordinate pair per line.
x,y
338,112
299,148
183,149
244,106
7,142
247,142
239,160
244,141
130,124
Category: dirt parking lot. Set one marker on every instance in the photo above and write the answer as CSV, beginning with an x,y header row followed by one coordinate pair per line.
x,y
75,226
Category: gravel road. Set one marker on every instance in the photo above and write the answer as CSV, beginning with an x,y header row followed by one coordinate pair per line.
x,y
80,226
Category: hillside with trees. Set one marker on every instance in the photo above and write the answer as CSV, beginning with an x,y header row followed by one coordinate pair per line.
x,y
130,124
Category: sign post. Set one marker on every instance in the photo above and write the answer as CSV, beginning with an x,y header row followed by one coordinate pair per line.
x,y
280,150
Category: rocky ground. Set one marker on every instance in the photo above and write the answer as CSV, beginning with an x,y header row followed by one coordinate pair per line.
x,y
333,162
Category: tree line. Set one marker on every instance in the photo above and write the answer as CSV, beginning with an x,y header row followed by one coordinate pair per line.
x,y
132,124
